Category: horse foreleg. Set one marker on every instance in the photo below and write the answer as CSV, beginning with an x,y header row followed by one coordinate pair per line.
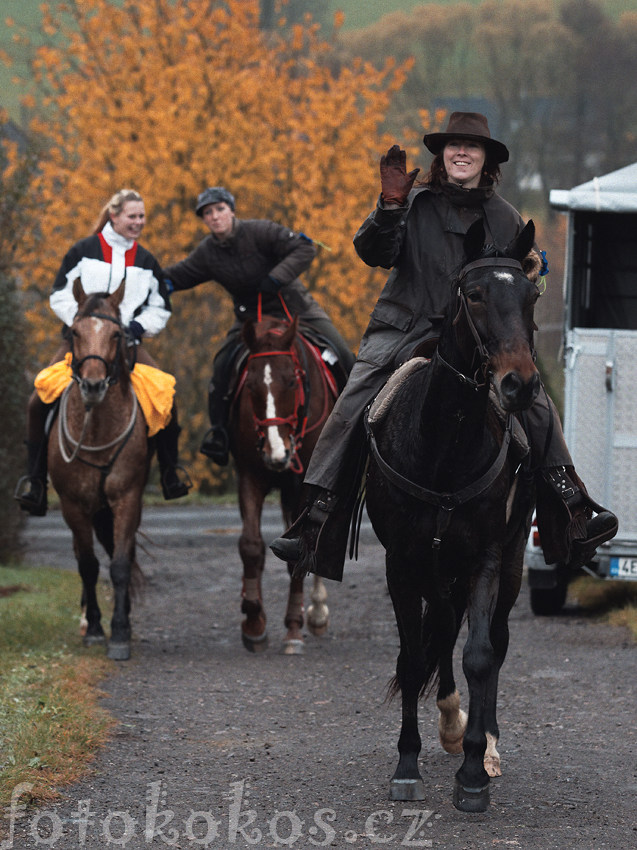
x,y
88,568
510,582
293,643
471,791
318,614
406,783
252,551
126,517
452,721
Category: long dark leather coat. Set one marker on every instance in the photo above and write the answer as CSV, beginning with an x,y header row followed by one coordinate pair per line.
x,y
423,245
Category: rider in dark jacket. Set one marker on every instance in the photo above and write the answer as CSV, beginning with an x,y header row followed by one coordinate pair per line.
x,y
251,259
419,234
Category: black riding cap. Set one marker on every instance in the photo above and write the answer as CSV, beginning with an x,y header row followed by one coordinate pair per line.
x,y
467,125
214,195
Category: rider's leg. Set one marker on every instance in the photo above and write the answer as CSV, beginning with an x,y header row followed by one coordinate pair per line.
x,y
31,489
175,481
570,523
216,442
345,358
331,480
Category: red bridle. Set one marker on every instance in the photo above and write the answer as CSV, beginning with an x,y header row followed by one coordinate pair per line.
x,y
297,422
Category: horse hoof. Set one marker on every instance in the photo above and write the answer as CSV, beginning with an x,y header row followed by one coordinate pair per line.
x,y
407,789
293,647
318,619
470,799
118,651
259,643
93,640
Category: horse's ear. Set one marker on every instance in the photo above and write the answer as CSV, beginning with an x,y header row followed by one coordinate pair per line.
x,y
521,246
118,296
249,334
474,240
288,335
78,291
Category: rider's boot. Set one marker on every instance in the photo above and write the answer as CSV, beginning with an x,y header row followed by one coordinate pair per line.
x,y
216,443
570,523
175,481
31,489
298,544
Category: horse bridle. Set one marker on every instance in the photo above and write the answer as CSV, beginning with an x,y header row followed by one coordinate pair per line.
x,y
298,420
113,368
463,309
112,376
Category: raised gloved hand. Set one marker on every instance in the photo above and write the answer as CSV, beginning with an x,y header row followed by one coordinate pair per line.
x,y
135,332
269,285
394,180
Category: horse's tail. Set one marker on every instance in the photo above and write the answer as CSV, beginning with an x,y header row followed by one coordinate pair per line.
x,y
441,623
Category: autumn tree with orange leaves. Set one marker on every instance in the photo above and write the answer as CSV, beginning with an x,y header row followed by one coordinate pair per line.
x,y
171,96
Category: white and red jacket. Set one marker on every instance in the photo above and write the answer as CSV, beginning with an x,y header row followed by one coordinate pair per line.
x,y
102,262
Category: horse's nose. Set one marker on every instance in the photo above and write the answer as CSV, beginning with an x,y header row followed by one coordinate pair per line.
x,y
93,391
516,393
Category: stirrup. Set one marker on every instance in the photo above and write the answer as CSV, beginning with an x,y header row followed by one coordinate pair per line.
x,y
34,499
216,445
172,485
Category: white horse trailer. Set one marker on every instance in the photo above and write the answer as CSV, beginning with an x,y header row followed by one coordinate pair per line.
x,y
600,361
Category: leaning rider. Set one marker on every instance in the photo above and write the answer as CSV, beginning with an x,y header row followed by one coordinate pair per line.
x,y
101,261
253,260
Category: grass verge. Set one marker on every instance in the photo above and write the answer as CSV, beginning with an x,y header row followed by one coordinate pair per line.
x,y
50,721
615,601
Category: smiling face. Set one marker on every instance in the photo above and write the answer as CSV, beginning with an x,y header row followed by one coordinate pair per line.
x,y
464,160
130,221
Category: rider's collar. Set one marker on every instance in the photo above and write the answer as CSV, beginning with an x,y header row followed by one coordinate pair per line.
x,y
114,239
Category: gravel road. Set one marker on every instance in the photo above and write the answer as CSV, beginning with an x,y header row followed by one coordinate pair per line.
x,y
216,747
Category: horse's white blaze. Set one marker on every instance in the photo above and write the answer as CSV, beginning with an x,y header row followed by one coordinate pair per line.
x,y
277,446
505,277
97,323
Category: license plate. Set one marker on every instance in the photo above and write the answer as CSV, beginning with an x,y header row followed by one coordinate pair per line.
x,y
625,568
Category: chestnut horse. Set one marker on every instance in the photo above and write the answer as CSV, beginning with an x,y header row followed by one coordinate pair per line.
x,y
283,399
99,460
446,501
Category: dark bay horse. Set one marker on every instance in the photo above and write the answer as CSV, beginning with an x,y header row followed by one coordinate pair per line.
x,y
99,460
284,397
447,504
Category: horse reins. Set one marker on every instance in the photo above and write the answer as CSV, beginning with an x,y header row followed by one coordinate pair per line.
x,y
112,376
447,502
298,420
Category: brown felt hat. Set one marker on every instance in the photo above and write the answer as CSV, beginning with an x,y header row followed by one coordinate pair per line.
x,y
467,125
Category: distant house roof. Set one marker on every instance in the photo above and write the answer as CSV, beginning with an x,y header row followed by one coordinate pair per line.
x,y
614,192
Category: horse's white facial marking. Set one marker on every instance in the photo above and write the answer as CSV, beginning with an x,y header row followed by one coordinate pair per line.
x,y
277,446
505,277
97,324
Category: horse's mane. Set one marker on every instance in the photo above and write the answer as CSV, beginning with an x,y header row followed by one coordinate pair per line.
x,y
94,301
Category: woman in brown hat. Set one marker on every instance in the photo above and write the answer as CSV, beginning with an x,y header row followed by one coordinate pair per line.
x,y
418,233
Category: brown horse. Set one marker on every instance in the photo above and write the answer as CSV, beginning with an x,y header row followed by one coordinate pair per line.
x,y
99,460
283,399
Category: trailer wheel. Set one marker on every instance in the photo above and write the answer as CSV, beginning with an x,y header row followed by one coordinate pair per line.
x,y
549,601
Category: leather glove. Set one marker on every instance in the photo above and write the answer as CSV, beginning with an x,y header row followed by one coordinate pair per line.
x,y
394,180
269,285
135,332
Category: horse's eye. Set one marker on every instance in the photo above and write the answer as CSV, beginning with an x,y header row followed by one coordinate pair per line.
x,y
475,296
